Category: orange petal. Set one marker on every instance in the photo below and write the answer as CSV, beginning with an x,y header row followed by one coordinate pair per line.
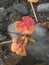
x,y
19,26
13,47
29,30
21,51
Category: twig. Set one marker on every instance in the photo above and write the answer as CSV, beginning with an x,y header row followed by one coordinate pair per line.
x,y
34,12
5,42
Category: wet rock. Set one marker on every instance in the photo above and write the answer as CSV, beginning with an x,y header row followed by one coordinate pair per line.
x,y
20,8
43,7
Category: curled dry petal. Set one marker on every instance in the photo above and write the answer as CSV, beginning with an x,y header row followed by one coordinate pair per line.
x,y
18,48
15,46
21,51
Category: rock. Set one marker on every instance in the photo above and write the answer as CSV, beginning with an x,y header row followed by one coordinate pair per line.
x,y
39,49
39,30
2,9
6,3
2,13
14,16
11,29
20,8
43,7
2,37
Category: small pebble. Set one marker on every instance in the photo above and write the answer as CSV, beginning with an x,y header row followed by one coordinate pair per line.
x,y
2,9
43,7
39,30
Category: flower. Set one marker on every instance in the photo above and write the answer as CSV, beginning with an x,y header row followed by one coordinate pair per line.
x,y
26,25
29,23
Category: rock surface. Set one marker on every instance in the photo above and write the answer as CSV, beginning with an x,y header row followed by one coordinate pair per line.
x,y
22,9
43,7
39,30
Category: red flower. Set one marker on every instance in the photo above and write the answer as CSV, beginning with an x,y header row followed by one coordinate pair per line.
x,y
28,21
26,25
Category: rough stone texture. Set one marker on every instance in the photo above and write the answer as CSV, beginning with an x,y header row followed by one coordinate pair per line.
x,y
21,8
43,7
38,50
5,3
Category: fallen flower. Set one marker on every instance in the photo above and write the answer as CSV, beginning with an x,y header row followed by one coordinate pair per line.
x,y
26,26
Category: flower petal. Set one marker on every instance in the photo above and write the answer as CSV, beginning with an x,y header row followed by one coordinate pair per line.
x,y
19,26
28,21
21,51
14,45
29,30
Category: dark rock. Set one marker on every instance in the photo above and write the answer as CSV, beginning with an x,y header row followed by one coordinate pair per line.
x,y
20,8
39,30
2,13
43,7
39,49
6,3
14,16
2,37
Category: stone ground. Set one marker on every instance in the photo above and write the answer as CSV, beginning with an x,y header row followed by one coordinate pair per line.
x,y
37,52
